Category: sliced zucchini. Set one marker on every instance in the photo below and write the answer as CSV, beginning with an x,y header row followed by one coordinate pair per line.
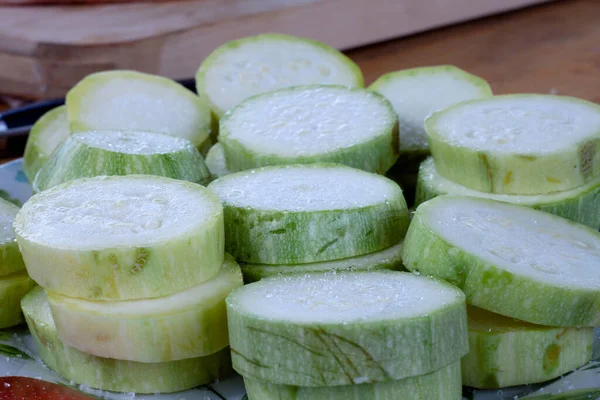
x,y
96,153
346,328
517,144
112,374
309,213
45,136
190,323
509,259
216,161
389,258
249,66
121,237
416,93
10,256
12,289
580,204
443,384
507,352
308,124
129,100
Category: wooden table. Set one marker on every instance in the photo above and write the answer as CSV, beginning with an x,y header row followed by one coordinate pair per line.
x,y
552,48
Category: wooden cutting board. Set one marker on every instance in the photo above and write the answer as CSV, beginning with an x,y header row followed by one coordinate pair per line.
x,y
46,50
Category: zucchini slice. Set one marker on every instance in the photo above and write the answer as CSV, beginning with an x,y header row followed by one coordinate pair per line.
x,y
443,384
216,161
507,352
416,93
111,374
346,328
258,64
389,258
308,124
121,237
309,213
187,324
12,289
45,136
129,100
509,259
96,153
580,204
10,257
517,144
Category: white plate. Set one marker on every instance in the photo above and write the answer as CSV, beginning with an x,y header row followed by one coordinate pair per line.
x,y
19,355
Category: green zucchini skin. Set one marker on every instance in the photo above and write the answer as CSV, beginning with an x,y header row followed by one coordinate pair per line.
x,y
11,260
389,258
334,354
270,236
580,205
491,287
12,289
76,159
112,374
443,384
505,352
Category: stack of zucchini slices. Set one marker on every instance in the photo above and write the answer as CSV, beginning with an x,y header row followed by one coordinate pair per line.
x,y
531,277
134,279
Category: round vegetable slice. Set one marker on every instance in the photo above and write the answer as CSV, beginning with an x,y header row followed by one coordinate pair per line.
x,y
129,100
507,352
509,259
443,384
517,144
389,258
309,213
12,289
216,161
121,237
45,136
112,374
190,323
308,124
97,153
249,66
10,256
416,93
345,328
580,204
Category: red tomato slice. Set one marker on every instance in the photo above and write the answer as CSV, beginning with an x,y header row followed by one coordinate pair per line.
x,y
21,388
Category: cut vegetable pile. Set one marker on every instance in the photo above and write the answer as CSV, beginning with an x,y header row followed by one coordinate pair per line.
x,y
141,268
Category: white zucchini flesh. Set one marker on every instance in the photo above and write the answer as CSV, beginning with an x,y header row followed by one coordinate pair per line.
x,y
580,204
10,256
517,144
121,237
12,289
107,153
309,213
506,352
112,374
45,136
308,124
187,324
389,258
258,64
348,328
443,384
416,93
216,161
509,259
129,100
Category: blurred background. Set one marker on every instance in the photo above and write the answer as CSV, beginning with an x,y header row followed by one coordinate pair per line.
x,y
542,46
